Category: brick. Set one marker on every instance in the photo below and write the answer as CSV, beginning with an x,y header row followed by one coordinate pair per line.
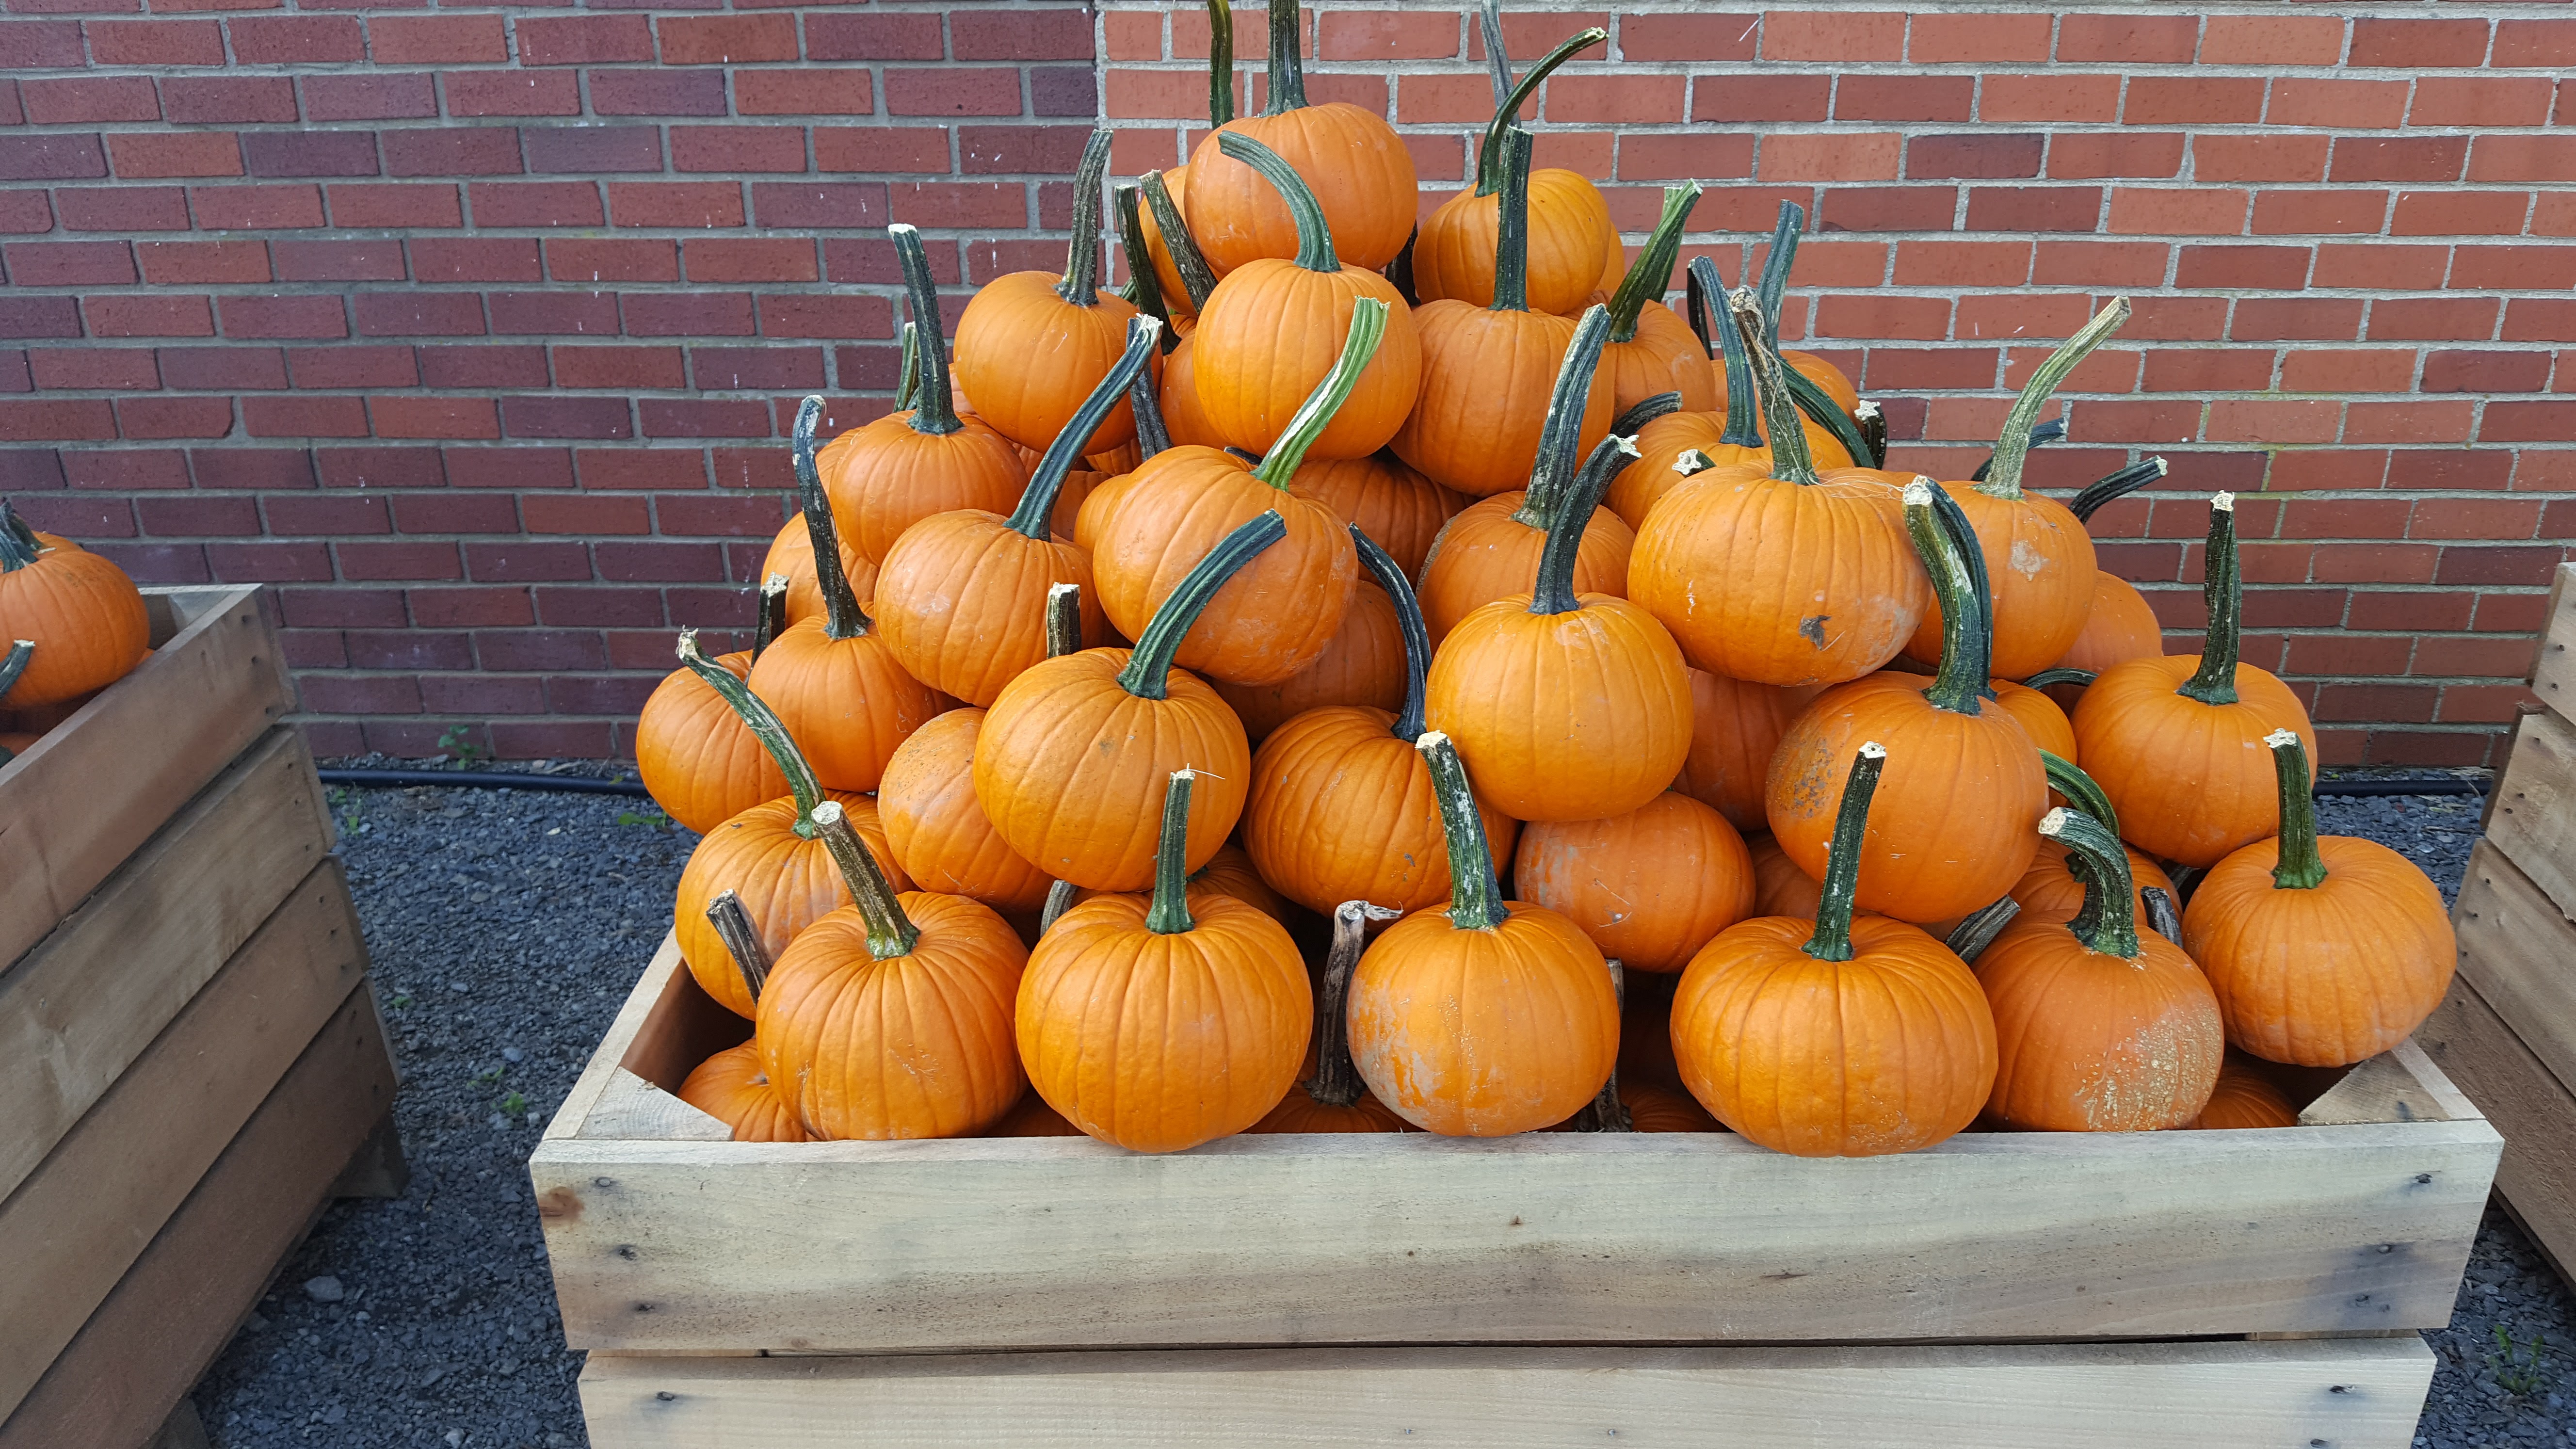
x,y
297,39
520,562
2344,104
156,315
2248,268
2134,422
434,417
2374,563
2219,370
2310,369
418,314
396,206
689,314
2259,158
397,561
2538,319
737,148
2417,44
310,153
2096,264
2272,39
675,203
2550,43
438,39
800,315
66,157
1873,208
284,317
2523,158
888,149
2380,265
90,100
657,92
617,367
566,417
252,468
584,39
2514,268
71,264
48,44
2420,420
956,92
125,470
145,155
657,468
1132,36
2492,564
2319,213
2192,100
228,100
350,367
57,420
339,261
587,515
1960,264
2432,319
1843,156
476,259
1632,99
452,151
724,39
584,150
153,43
269,563
1022,34
174,417
1072,91
2528,422
1379,35
2296,319
2051,97
2484,101
2413,158
574,259
537,203
1742,98
673,563
1980,156
897,36
952,204
1675,158
1651,37
767,369
1977,39
803,92
476,93
483,367
2127,39
2206,211
129,369
1833,35
540,314
2087,155
730,259
122,208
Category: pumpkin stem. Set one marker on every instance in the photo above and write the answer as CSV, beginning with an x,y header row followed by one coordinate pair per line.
x,y
2080,790
1287,62
1977,930
1060,899
2114,485
23,650
1605,1112
2081,678
1408,622
1511,227
1063,620
1791,462
1654,266
1337,1079
1967,638
2224,590
17,541
1149,665
1144,289
2300,867
1489,156
1634,420
1475,895
1832,938
907,375
1314,237
2162,918
891,933
1552,471
2012,445
1399,273
1220,63
1169,915
1498,58
2052,431
1368,328
765,727
1702,289
2108,922
773,615
935,411
1081,284
1972,553
1774,285
742,941
1037,501
1197,277
1153,434
842,617
1872,423
1553,592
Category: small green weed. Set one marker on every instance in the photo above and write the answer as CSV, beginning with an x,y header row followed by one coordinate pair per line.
x,y
350,807
2520,1369
458,742
654,818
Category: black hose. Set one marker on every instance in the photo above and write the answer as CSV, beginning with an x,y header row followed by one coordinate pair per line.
x,y
484,780
2452,786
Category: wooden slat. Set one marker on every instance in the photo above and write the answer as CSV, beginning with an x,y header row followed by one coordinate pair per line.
x,y
83,1005
2531,1107
93,789
640,1005
79,1222
180,1302
2520,952
2353,1394
2382,1089
2553,679
2533,820
633,1108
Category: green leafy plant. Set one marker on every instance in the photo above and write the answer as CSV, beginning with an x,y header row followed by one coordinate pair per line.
x,y
515,1106
458,743
654,818
2520,1369
350,807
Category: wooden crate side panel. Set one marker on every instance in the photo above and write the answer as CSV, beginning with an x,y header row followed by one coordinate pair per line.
x,y
2354,1394
80,1221
2519,950
2534,816
2554,677
79,1009
2530,1106
602,1068
175,1309
93,789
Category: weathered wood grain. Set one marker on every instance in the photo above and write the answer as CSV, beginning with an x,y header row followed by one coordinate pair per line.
x,y
629,1023
2528,1104
633,1108
2519,950
2534,816
2386,1088
2553,679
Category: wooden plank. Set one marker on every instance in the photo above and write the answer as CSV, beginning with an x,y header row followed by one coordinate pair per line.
x,y
182,1430
2553,679
633,1108
2532,1108
684,1028
640,1005
2354,1394
79,1222
179,1304
93,789
2382,1089
2519,950
2533,820
82,1006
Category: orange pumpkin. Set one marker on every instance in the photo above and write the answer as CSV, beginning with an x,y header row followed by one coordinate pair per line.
x,y
1650,887
1381,496
1826,402
1780,888
791,556
2122,626
85,617
1653,1108
1651,351
938,833
1332,1098
735,1089
2039,717
1571,238
2245,1098
1735,730
701,763
1362,666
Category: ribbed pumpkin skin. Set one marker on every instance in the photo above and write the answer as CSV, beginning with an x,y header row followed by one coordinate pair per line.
x,y
1650,887
1272,330
1570,241
2244,1098
1230,872
2039,717
1781,583
962,599
1342,810
1652,1108
1029,358
702,764
1161,1042
1400,510
1484,1033
1563,716
2191,781
1486,381
2092,1043
846,702
1780,888
1183,418
2122,626
2323,977
1358,168
889,478
1735,729
1300,1112
1066,753
2040,562
1661,444
786,883
732,1087
916,1046
792,554
1362,665
1664,356
86,618
938,832
2048,892
1485,554
1890,1051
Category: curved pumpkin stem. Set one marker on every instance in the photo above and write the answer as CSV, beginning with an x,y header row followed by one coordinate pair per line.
x,y
2300,868
1552,471
1977,930
1060,898
1511,227
2080,790
1972,555
1149,666
1967,641
1081,284
1037,501
1703,294
1661,405
1498,57
1389,574
1153,434
1220,63
1774,286
1654,266
1553,591
2224,591
1143,290
1197,277
1475,895
22,650
1169,915
741,941
2012,445
773,615
2080,678
1791,462
1337,1079
2108,923
1832,938
765,727
1287,63
1368,328
1314,238
1489,156
842,616
891,933
1063,620
17,541
2115,485
936,410
907,374
2052,431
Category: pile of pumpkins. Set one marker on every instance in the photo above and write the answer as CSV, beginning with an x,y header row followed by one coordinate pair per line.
x,y
71,624
1293,598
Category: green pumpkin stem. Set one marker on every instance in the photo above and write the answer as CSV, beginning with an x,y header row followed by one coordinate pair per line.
x,y
1977,930
17,541
1634,420
1774,286
1408,622
1511,227
2300,867
1149,665
1871,421
1791,462
22,650
1153,434
1967,643
1337,1082
891,933
1718,335
1081,284
1220,63
2224,591
1553,590
1314,238
935,411
2080,678
1561,434
842,616
1287,62
1197,277
1060,898
1972,554
1653,268
1475,893
1063,620
2108,922
2012,445
1489,155
742,942
1037,501
907,374
1832,938
2052,431
1169,915
773,615
1368,329
1144,290
1498,55
765,726
2115,485
2080,790
1399,273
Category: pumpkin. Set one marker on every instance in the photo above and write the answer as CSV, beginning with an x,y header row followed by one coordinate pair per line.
x,y
791,555
937,832
735,1089
1363,665
1651,351
1952,829
1786,576
2122,626
1158,1025
2244,1098
1181,274
1570,237
2039,717
1342,806
1358,169
696,757
1273,328
890,1018
2324,950
1847,1037
1100,500
1735,729
1653,1108
1492,374
14,743
1332,1098
1488,1017
1650,887
2099,1027
1228,873
35,539
1780,888
1382,496
2177,741
1077,739
85,617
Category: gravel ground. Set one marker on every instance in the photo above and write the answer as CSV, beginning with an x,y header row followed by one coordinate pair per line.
x,y
506,926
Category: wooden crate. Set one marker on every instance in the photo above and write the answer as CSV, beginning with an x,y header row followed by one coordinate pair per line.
x,y
190,1057
2235,1288
2508,1031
